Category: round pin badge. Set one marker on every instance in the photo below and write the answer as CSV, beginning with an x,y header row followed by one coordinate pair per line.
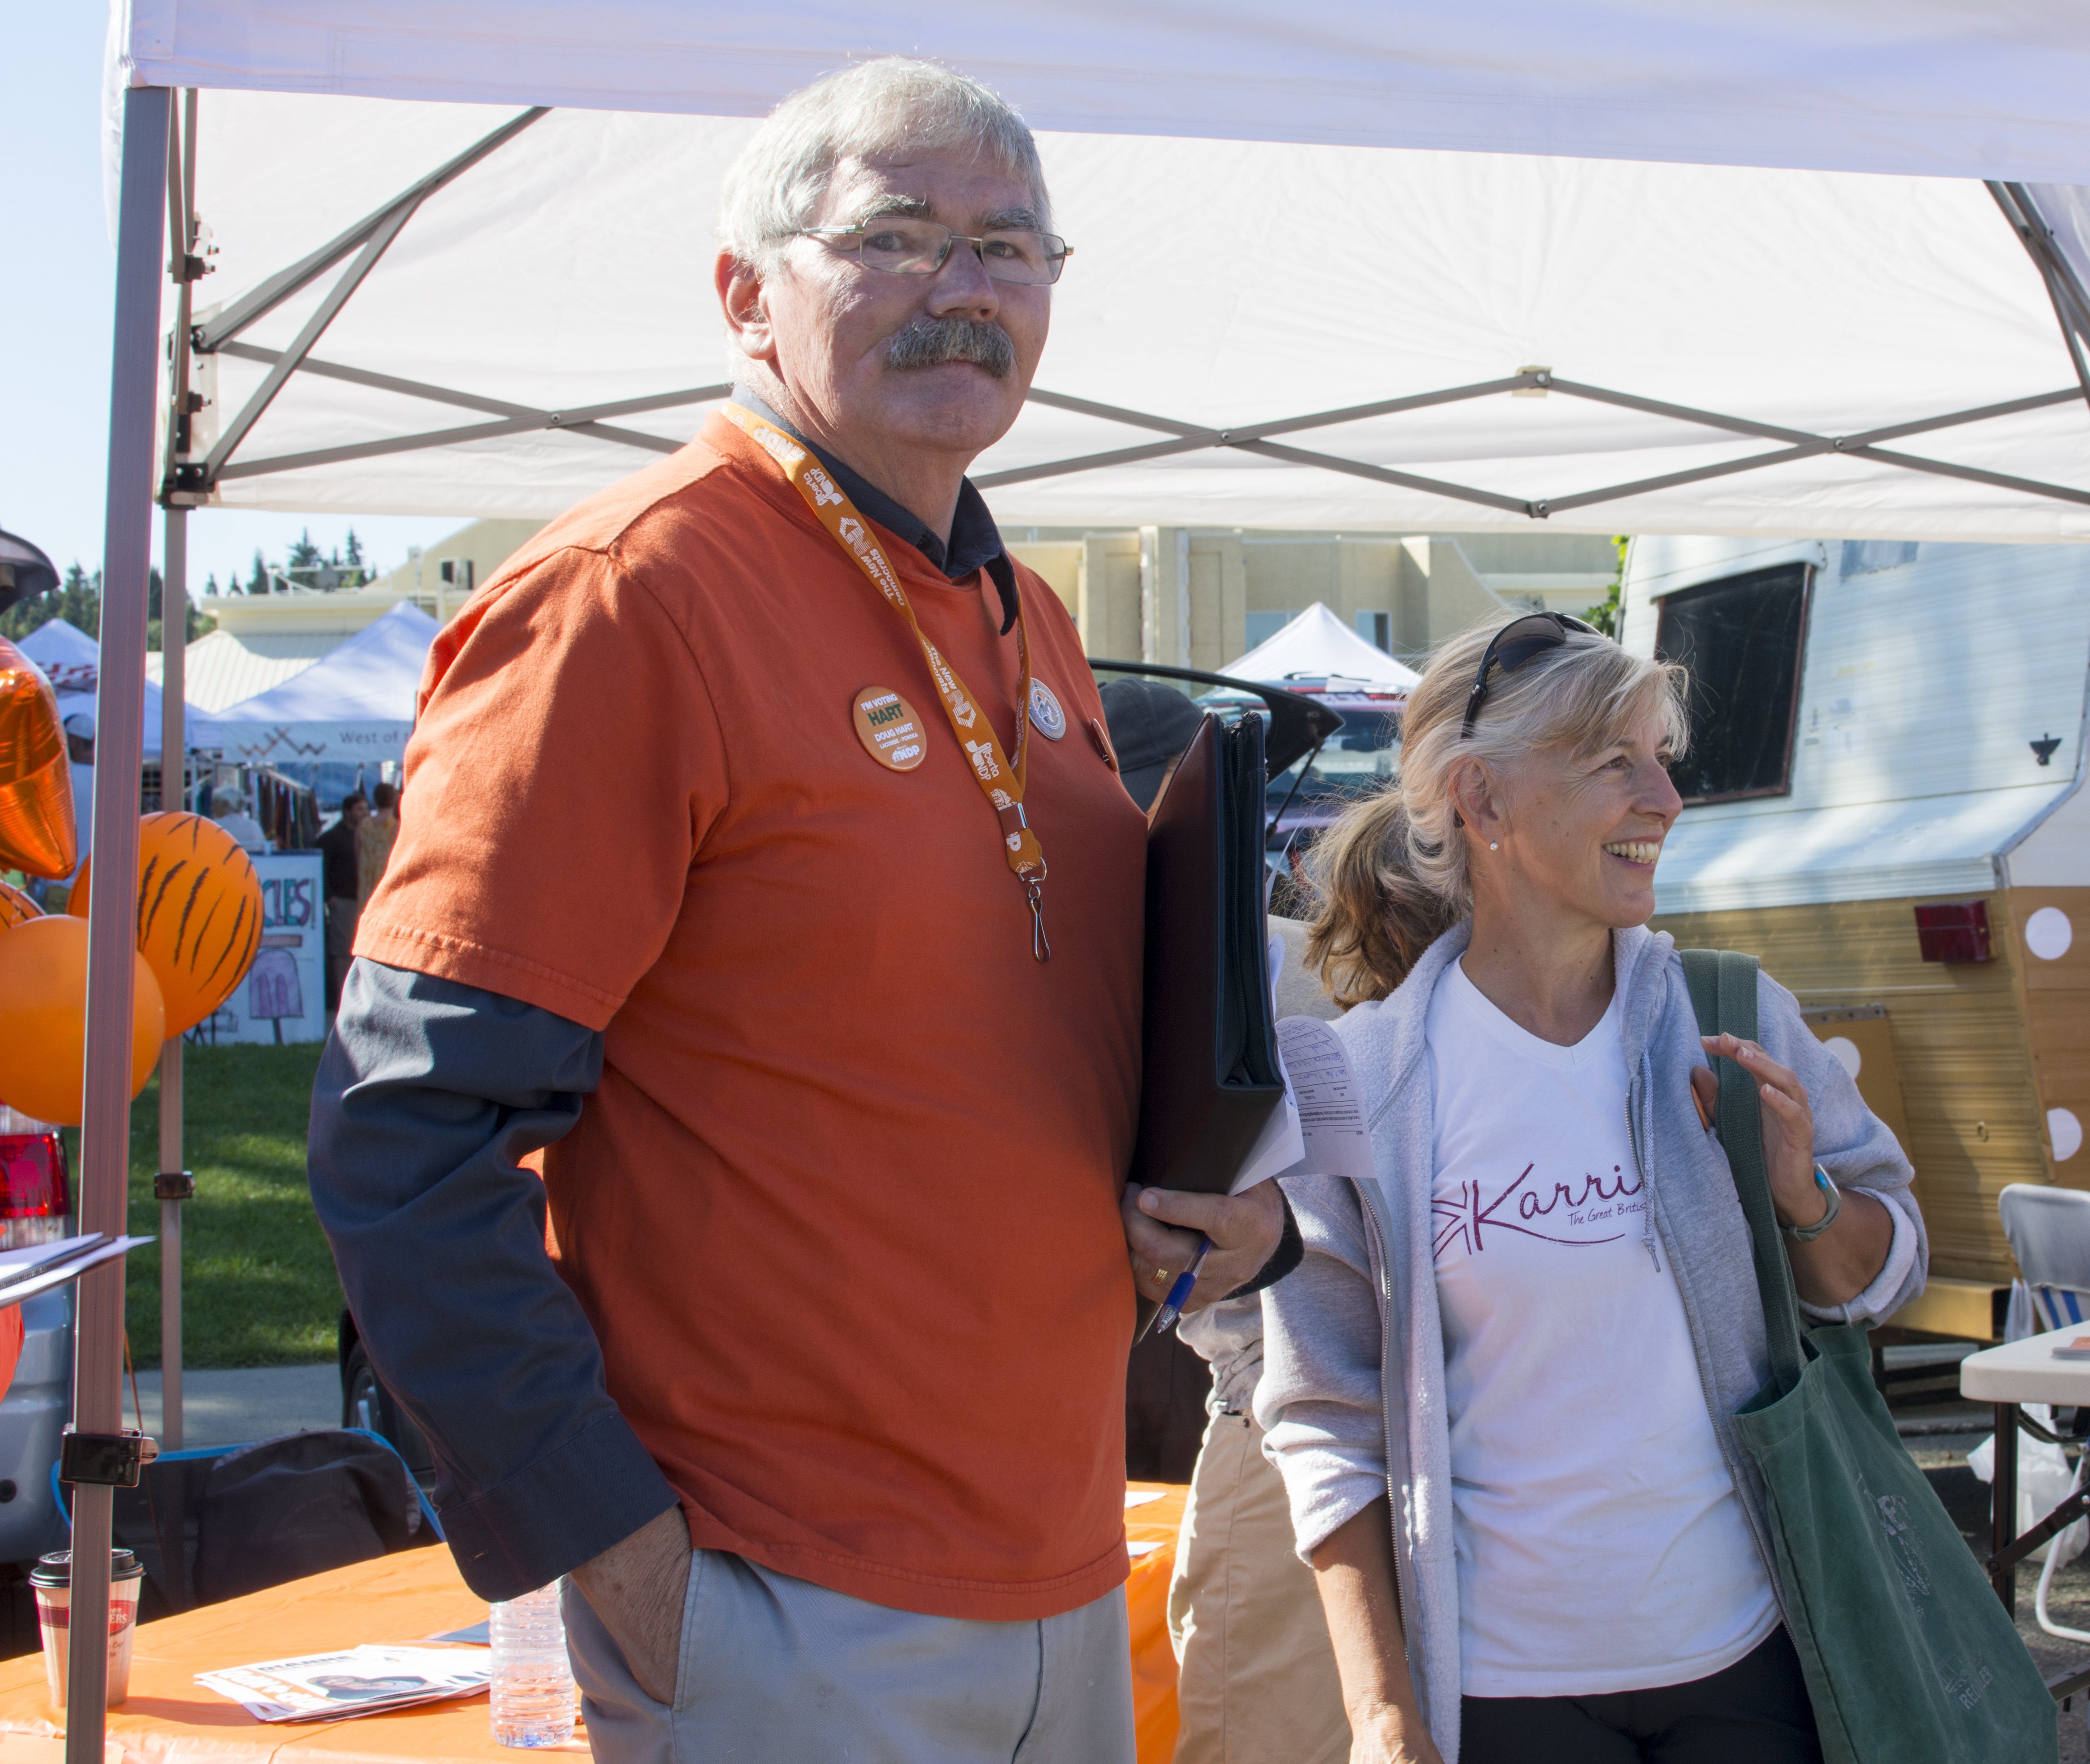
x,y
889,729
1046,715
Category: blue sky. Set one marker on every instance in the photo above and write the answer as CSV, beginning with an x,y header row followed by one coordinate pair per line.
x,y
55,293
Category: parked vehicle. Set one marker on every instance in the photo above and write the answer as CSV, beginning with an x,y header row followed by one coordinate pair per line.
x,y
1884,799
35,1207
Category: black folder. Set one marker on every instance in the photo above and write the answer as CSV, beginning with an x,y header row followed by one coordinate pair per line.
x,y
1210,1043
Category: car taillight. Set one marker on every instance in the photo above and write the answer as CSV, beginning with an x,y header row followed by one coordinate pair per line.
x,y
35,1197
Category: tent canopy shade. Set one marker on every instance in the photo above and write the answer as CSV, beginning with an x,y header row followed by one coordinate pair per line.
x,y
1602,344
1926,87
356,703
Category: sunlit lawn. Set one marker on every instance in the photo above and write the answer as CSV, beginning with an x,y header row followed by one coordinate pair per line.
x,y
258,1286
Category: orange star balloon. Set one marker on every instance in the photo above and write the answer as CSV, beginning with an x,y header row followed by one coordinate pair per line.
x,y
36,833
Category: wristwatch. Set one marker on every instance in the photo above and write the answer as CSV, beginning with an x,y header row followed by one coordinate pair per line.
x,y
1807,1233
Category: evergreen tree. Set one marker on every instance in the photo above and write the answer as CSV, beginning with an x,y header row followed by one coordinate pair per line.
x,y
258,582
353,550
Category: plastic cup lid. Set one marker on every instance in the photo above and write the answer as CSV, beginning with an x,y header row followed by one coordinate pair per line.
x,y
55,1569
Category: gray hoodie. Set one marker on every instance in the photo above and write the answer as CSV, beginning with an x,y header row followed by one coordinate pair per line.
x,y
1352,1391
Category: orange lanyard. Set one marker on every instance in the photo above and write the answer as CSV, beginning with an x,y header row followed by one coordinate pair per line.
x,y
1000,782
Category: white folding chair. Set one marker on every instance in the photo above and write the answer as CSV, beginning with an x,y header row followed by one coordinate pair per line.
x,y
2048,1230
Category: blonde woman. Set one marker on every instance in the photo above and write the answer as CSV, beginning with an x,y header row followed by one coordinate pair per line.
x,y
1500,1387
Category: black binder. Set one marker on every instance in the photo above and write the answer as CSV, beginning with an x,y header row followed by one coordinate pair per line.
x,y
1211,1073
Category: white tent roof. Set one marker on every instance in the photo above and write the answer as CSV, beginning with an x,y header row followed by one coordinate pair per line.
x,y
1317,644
1278,213
355,703
72,661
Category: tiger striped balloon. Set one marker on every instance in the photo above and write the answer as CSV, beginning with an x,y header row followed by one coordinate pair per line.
x,y
15,907
199,912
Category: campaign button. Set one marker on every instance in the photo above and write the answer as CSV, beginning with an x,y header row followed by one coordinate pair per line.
x,y
889,729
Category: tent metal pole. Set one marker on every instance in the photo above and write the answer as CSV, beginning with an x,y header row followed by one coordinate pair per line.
x,y
284,283
172,1184
578,421
315,327
472,400
119,717
173,769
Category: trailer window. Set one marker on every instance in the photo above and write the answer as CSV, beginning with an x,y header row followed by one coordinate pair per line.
x,y
1741,639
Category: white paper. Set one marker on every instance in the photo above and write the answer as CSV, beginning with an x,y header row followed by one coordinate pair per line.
x,y
28,1285
1323,1091
1134,1548
355,1681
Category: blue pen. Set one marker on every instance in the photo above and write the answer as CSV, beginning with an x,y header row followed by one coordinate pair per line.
x,y
1172,1306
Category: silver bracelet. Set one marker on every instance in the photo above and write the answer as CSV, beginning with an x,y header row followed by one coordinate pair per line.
x,y
1807,1233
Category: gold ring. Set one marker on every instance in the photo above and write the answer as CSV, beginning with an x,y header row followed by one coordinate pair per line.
x,y
1161,1276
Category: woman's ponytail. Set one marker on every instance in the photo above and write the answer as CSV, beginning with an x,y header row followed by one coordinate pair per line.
x,y
1375,916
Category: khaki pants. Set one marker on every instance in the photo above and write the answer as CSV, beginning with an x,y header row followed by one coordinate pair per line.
x,y
1258,1683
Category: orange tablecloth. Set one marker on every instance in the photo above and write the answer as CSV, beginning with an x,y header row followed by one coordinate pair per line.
x,y
168,1718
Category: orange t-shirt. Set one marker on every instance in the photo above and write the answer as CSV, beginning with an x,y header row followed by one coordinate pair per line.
x,y
844,1210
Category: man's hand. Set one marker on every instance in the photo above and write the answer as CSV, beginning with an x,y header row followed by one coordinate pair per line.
x,y
638,1588
1244,1228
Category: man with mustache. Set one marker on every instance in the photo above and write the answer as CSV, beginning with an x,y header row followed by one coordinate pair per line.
x,y
771,890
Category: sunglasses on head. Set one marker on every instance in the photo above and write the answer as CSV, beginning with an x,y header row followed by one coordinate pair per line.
x,y
1514,645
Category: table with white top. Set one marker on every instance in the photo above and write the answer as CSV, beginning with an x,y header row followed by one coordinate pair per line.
x,y
2021,1372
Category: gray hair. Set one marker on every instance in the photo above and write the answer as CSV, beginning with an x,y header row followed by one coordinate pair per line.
x,y
774,186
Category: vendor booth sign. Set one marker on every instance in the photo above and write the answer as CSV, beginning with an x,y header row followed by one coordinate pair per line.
x,y
276,743
283,997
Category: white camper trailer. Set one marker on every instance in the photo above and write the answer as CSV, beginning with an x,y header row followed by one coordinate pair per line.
x,y
1886,803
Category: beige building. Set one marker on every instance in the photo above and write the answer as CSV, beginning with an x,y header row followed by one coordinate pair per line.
x,y
1195,597
263,639
1190,597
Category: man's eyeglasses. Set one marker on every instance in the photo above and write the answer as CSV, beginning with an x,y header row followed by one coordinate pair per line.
x,y
1514,645
901,246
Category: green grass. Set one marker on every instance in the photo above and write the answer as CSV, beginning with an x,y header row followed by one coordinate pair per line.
x,y
258,1284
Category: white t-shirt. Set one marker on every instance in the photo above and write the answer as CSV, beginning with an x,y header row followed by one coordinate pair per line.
x,y
1600,1544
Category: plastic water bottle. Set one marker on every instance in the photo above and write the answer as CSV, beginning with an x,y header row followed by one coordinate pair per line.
x,y
533,1682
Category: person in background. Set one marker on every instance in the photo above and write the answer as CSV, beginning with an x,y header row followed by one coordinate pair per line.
x,y
798,1344
80,759
1256,1679
375,839
341,886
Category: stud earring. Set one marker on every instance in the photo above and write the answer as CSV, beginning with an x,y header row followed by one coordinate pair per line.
x,y
1493,847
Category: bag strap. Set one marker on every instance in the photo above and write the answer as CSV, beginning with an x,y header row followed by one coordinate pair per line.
x,y
1723,995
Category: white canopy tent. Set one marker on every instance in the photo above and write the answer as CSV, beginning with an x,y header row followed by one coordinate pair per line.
x,y
495,312
356,703
1316,646
1757,266
72,661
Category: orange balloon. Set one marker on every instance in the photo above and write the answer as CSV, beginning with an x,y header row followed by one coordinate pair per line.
x,y
199,912
15,907
43,1018
36,832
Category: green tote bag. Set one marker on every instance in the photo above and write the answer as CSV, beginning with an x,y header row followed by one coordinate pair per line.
x,y
1909,1656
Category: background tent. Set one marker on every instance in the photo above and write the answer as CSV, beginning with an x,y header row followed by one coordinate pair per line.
x,y
1315,644
72,661
355,705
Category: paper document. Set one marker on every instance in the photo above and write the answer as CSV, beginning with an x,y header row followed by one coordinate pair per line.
x,y
37,1274
1323,1092
355,1681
